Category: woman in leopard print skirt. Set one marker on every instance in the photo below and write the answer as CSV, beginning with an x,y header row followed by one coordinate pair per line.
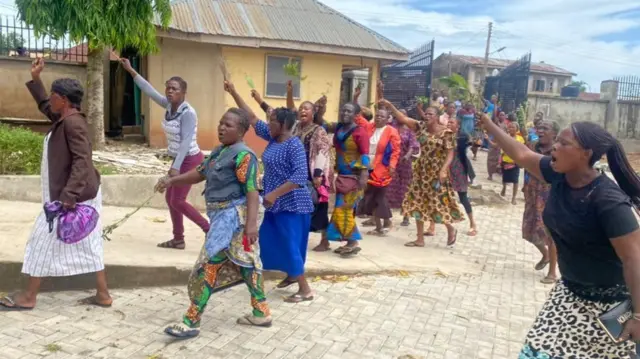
x,y
591,220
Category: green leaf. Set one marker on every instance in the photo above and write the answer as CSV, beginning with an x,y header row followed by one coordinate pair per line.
x,y
250,82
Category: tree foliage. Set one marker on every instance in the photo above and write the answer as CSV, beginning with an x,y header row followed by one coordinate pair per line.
x,y
459,88
104,23
581,84
10,41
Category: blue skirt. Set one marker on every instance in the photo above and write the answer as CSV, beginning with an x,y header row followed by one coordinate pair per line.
x,y
284,237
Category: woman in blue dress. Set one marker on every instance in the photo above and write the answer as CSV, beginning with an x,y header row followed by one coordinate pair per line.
x,y
284,233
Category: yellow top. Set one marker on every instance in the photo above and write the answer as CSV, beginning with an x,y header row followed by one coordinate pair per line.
x,y
507,159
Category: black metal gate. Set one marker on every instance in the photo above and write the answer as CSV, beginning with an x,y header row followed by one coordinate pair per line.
x,y
511,85
404,82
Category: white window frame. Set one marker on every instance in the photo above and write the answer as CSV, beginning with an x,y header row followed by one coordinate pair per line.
x,y
297,82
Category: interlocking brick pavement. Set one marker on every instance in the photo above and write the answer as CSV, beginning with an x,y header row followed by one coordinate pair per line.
x,y
480,314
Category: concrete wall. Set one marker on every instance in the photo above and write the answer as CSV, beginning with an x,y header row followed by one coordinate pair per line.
x,y
14,72
567,110
197,63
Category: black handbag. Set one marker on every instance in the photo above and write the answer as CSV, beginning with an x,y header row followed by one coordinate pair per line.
x,y
614,320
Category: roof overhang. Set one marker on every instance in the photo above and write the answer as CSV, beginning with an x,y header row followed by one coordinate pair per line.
x,y
280,44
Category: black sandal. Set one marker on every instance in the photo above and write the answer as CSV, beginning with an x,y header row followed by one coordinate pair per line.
x,y
172,244
450,243
286,283
350,252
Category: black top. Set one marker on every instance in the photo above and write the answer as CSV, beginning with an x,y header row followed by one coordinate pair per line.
x,y
582,222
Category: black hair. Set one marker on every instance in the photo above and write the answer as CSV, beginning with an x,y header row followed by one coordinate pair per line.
x,y
70,89
593,137
555,127
356,108
243,118
181,81
286,117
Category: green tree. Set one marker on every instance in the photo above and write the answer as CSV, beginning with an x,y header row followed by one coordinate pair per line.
x,y
581,84
10,42
104,24
460,89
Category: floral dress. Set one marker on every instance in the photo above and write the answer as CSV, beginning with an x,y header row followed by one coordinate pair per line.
x,y
427,198
404,174
536,193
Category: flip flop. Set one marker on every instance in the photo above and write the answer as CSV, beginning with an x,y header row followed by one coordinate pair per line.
x,y
255,321
93,301
414,244
455,239
351,252
172,244
298,298
541,265
377,233
182,331
548,280
472,232
340,249
286,283
8,304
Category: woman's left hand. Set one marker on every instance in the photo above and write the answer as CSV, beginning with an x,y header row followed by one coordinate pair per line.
x,y
631,331
269,199
173,172
251,231
444,174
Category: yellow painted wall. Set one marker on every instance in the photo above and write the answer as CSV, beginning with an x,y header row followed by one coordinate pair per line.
x,y
197,63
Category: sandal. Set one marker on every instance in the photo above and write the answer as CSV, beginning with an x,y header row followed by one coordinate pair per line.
x,y
286,283
298,298
93,301
252,320
414,244
377,233
182,331
405,223
542,264
451,243
472,232
8,304
351,252
340,249
368,223
548,280
172,244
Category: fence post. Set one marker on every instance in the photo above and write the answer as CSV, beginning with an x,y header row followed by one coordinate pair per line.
x,y
609,92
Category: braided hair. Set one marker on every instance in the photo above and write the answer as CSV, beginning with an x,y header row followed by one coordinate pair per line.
x,y
593,137
286,117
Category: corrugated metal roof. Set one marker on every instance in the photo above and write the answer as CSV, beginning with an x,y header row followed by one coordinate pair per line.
x,y
501,63
306,21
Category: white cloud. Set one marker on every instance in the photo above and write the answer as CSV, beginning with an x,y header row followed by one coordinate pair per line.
x,y
560,33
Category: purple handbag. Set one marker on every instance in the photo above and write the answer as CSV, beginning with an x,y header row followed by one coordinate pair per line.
x,y
75,224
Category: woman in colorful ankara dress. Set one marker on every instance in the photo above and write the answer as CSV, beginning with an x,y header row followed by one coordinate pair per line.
x,y
459,176
409,150
284,233
351,143
431,197
231,253
536,194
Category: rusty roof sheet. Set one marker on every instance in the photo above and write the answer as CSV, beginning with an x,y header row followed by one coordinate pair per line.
x,y
306,21
500,63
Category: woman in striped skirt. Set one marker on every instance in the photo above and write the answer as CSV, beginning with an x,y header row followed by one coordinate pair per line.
x,y
68,176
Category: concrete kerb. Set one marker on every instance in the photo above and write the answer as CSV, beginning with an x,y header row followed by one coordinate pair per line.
x,y
127,276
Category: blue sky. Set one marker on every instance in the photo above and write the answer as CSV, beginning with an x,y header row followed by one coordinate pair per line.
x,y
597,39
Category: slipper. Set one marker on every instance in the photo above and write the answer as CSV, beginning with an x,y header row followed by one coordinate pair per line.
x,y
340,249
455,239
414,244
377,233
298,298
8,304
319,248
93,301
548,280
264,322
182,331
286,283
172,244
541,265
351,252
472,232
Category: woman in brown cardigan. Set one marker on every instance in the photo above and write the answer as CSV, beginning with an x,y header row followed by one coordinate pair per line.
x,y
68,176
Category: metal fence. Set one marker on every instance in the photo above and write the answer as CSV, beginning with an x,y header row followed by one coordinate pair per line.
x,y
628,88
511,85
404,82
17,39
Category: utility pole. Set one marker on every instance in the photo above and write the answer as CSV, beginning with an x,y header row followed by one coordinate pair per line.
x,y
486,52
449,63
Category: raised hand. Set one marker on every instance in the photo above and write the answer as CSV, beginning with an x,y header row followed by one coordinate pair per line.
x,y
229,87
36,67
256,96
125,64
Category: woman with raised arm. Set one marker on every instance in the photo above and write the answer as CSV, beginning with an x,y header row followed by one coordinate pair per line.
x,y
351,143
591,220
430,196
180,126
231,252
536,194
284,233
68,179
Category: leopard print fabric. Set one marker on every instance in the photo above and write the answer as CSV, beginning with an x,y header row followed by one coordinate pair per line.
x,y
566,328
